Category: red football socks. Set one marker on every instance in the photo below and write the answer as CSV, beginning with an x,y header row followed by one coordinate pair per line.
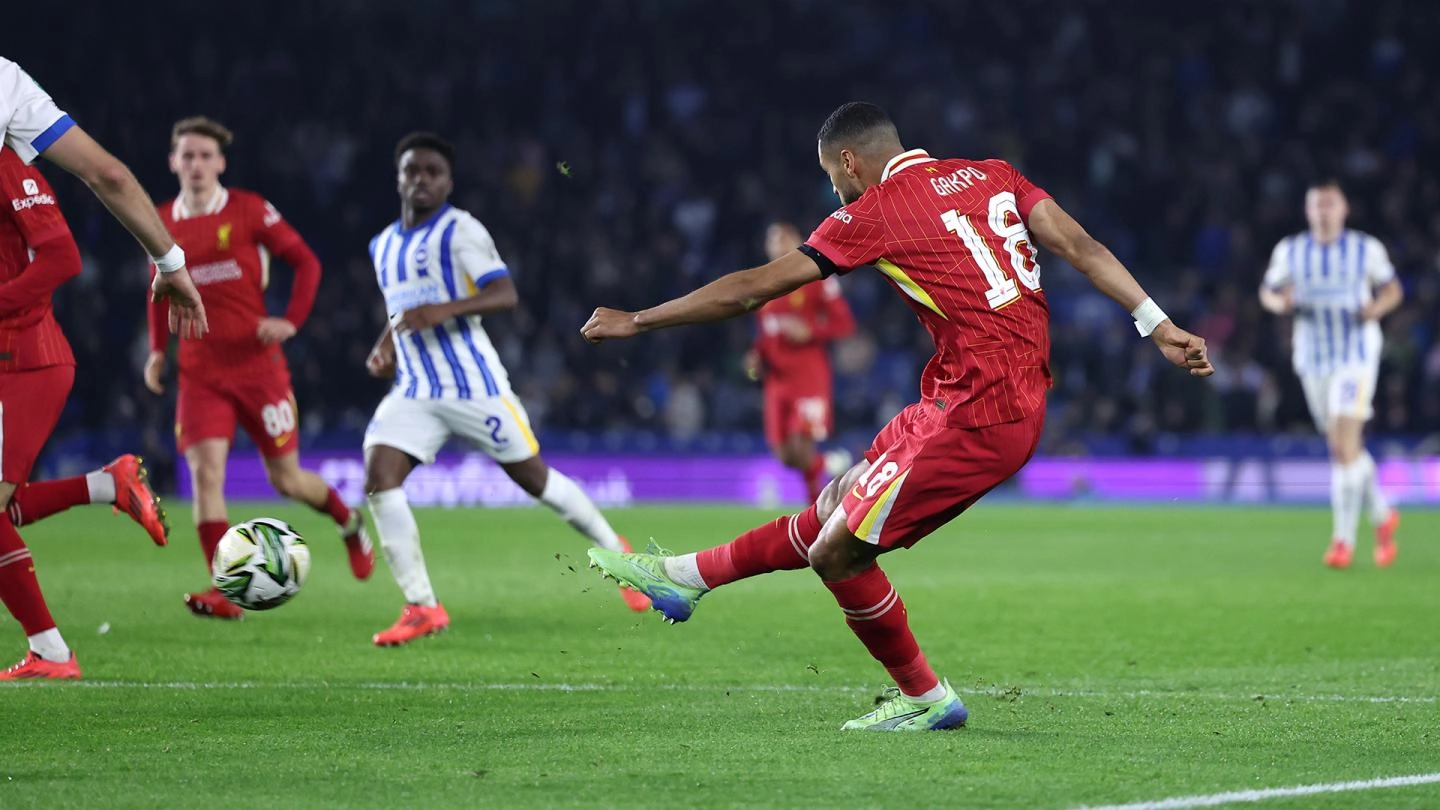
x,y
780,545
19,589
815,478
210,533
35,502
876,615
335,508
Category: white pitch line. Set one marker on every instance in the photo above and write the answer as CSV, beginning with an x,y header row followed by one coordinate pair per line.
x,y
1250,796
543,686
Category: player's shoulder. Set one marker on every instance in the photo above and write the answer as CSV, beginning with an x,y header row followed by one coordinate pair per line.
x,y
1369,240
465,224
247,200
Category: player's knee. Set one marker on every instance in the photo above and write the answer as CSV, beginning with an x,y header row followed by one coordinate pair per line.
x,y
208,477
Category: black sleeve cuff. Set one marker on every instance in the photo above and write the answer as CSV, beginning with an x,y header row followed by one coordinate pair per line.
x,y
827,267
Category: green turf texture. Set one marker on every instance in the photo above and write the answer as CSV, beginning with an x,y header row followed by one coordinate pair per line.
x,y
1108,655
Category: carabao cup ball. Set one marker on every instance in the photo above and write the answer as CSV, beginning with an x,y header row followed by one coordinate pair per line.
x,y
260,564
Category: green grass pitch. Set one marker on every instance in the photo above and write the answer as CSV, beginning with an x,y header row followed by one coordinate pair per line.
x,y
1108,655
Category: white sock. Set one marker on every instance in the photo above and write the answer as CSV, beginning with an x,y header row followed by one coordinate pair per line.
x,y
49,645
102,486
684,570
573,506
1374,497
934,694
400,540
1347,495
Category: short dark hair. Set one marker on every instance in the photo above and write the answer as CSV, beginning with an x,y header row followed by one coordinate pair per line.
x,y
426,140
200,125
1324,183
857,125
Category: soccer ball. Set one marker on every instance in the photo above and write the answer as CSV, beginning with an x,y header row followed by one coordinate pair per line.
x,y
260,564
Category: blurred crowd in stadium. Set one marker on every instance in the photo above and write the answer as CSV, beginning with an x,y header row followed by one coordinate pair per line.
x,y
636,150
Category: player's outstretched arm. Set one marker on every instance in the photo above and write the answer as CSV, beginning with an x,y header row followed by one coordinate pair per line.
x,y
1387,299
726,297
1278,301
79,154
1059,232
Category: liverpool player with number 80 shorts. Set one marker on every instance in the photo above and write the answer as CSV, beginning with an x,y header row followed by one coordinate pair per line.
x,y
238,374
954,239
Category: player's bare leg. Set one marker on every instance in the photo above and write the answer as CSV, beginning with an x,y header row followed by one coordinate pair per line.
x,y
875,613
292,481
566,499
798,452
206,459
386,469
49,656
675,583
123,483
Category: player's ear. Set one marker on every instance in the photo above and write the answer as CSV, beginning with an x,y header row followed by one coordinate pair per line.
x,y
220,164
174,162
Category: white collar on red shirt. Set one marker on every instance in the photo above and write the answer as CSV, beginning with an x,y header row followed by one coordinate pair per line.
x,y
179,210
905,160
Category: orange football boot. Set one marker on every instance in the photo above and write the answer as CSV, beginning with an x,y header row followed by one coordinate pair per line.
x,y
1385,549
358,546
134,497
33,667
1339,554
212,604
416,621
634,600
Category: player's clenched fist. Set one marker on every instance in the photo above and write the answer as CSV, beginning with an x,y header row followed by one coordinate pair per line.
x,y
1183,349
608,324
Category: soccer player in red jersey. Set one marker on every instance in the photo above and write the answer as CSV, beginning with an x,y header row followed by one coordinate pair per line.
x,y
954,238
38,254
791,356
238,373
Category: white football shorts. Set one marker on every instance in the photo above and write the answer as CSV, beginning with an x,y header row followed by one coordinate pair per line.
x,y
1346,391
497,425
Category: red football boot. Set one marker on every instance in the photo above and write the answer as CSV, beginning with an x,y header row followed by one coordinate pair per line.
x,y
634,600
416,621
33,667
358,546
212,604
134,497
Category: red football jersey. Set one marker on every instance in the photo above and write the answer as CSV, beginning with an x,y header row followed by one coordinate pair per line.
x,y
227,250
30,338
950,236
802,364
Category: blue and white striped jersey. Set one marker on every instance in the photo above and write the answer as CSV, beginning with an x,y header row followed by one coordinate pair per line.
x,y
1331,284
448,257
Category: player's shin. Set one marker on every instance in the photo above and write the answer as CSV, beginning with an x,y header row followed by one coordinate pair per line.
x,y
35,502
1347,495
876,614
780,545
20,591
400,540
569,501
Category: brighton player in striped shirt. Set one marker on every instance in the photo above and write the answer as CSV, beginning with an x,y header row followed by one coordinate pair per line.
x,y
1338,283
953,237
440,273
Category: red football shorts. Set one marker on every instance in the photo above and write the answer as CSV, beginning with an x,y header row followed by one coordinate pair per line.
x,y
263,405
30,405
924,473
791,412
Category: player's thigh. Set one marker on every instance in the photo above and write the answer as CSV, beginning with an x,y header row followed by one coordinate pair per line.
x,y
30,405
415,427
266,408
202,411
930,477
497,425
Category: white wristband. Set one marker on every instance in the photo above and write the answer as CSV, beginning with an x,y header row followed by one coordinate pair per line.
x,y
1148,316
173,260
